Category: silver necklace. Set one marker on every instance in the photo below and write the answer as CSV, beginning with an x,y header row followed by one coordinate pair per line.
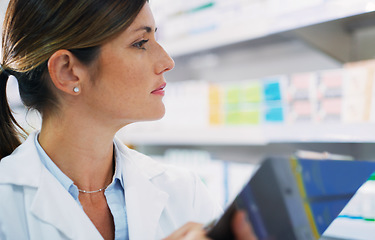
x,y
95,191
99,190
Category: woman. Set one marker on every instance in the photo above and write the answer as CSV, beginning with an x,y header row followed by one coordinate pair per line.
x,y
90,67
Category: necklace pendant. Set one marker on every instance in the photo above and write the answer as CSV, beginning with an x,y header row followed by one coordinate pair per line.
x,y
95,191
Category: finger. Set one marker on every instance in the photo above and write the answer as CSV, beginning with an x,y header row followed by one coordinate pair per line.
x,y
184,230
241,227
196,234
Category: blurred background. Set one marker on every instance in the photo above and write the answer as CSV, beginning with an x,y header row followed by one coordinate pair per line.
x,y
257,78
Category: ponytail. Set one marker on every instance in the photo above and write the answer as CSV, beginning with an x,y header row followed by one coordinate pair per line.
x,y
9,134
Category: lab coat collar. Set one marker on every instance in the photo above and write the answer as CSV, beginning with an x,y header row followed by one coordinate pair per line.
x,y
144,202
52,203
23,163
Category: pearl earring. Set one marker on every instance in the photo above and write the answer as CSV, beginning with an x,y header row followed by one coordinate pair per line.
x,y
76,89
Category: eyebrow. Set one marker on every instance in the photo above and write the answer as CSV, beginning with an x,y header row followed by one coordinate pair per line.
x,y
145,28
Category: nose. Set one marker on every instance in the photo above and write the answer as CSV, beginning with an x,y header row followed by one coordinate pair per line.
x,y
165,62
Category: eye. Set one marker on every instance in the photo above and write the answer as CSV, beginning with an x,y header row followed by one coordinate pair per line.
x,y
140,44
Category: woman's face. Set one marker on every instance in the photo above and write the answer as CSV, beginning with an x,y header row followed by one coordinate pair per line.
x,y
129,84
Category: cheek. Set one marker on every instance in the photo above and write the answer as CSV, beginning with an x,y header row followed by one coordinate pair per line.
x,y
125,87
125,83
124,71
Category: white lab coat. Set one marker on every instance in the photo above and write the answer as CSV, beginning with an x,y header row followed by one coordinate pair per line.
x,y
159,199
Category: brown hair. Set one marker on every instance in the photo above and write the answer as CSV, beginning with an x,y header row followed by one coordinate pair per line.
x,y
33,30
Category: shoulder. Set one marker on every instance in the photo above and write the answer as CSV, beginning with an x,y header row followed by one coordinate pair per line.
x,y
14,210
183,186
156,170
18,170
188,194
11,202
23,166
138,161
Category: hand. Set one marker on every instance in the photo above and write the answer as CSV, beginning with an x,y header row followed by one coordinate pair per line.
x,y
190,231
194,231
241,227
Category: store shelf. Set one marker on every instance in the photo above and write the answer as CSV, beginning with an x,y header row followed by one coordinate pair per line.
x,y
249,135
193,136
248,27
333,132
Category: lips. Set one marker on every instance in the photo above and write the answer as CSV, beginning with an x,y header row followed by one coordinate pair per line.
x,y
160,90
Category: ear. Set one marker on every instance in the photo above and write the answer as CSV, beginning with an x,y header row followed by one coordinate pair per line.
x,y
66,71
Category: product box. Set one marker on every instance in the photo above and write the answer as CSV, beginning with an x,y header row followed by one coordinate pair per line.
x,y
215,99
330,95
273,99
300,97
367,88
356,95
243,102
251,102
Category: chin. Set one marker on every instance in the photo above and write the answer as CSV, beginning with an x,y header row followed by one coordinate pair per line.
x,y
156,115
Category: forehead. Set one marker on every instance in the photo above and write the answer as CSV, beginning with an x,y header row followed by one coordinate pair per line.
x,y
144,19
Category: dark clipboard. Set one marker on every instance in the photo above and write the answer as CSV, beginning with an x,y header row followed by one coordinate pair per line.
x,y
286,198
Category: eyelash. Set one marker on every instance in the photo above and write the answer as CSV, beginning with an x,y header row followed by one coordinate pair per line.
x,y
140,44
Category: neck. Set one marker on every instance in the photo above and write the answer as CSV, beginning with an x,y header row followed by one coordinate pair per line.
x,y
81,149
